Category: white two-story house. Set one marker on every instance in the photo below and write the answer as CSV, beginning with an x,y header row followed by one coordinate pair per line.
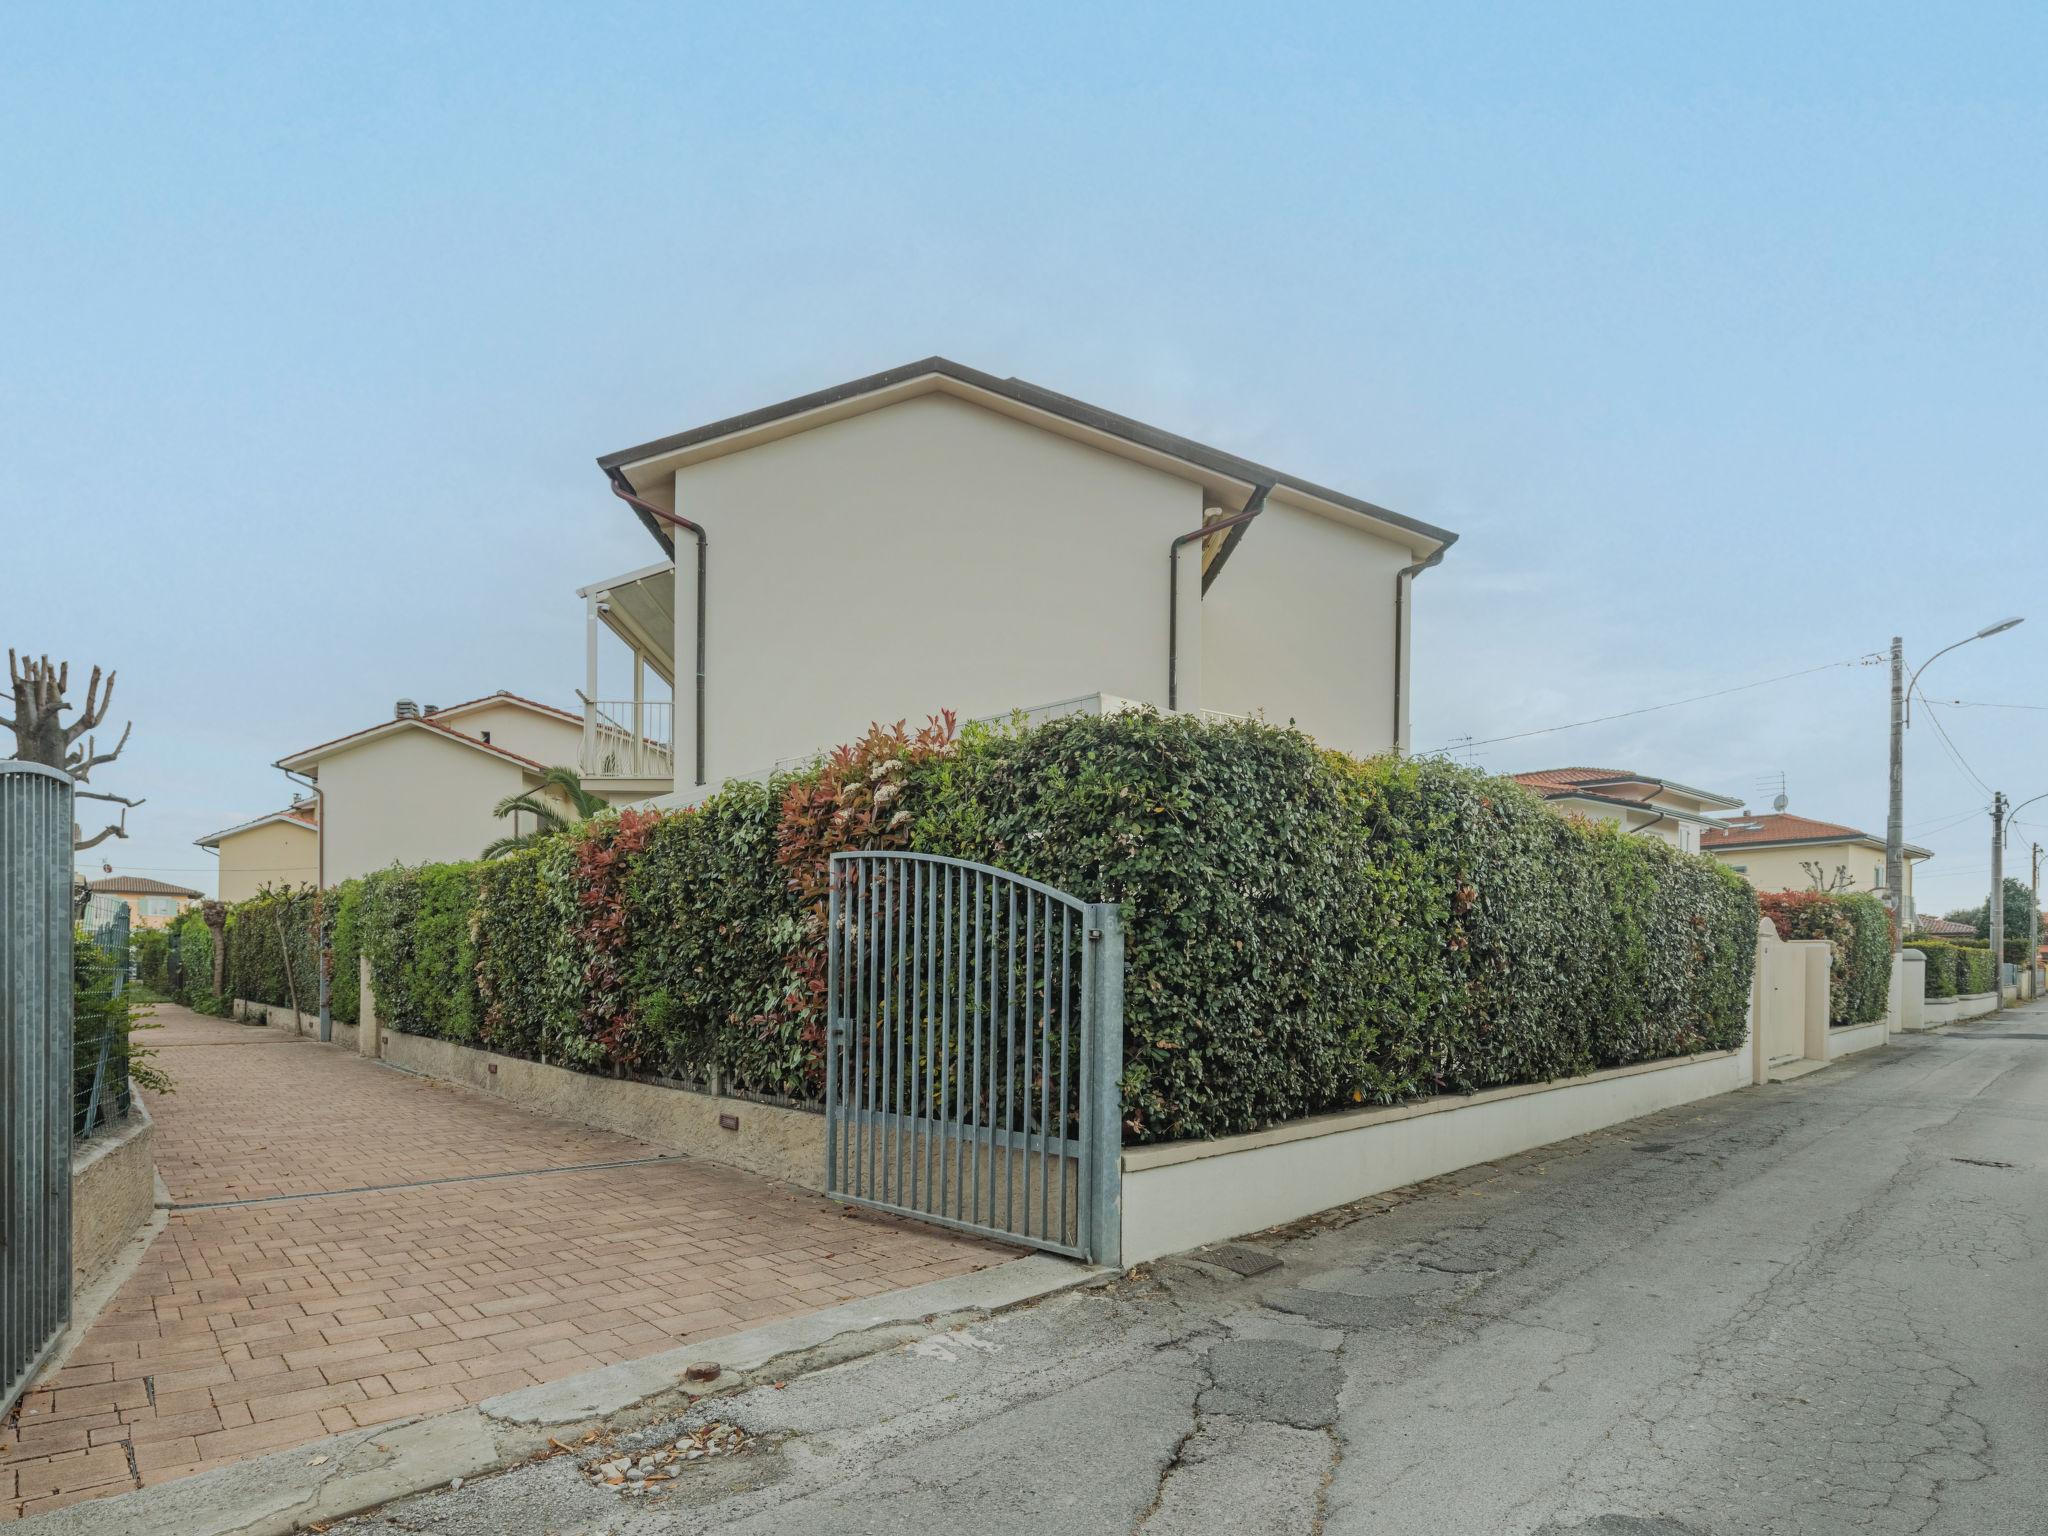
x,y
936,538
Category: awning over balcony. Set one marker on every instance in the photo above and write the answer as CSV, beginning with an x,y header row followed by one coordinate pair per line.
x,y
640,608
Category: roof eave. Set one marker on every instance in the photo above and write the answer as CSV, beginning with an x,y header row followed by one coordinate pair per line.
x,y
1018,392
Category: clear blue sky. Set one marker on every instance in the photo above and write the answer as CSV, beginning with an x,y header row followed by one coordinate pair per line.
x,y
1718,333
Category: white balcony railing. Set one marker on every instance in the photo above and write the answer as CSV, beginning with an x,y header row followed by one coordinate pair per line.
x,y
625,739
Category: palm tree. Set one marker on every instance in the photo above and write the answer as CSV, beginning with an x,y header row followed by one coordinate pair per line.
x,y
558,787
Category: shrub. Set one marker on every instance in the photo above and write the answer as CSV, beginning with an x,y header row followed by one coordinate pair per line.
x,y
1304,931
151,948
1979,972
1944,962
416,931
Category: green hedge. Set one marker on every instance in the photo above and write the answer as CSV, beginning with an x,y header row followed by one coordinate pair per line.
x,y
1944,966
1979,970
1305,931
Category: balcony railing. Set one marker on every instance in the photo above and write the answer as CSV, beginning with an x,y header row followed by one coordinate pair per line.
x,y
624,739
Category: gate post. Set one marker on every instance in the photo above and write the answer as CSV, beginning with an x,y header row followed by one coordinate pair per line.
x,y
1103,1128
36,917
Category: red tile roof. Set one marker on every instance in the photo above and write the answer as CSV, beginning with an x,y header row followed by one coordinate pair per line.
x,y
1942,928
1777,827
137,885
1568,778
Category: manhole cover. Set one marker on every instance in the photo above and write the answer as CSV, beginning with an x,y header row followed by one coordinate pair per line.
x,y
1239,1259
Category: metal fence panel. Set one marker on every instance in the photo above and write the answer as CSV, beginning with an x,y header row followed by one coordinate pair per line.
x,y
974,1055
35,1070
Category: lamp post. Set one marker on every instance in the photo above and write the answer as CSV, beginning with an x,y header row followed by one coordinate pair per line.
x,y
1902,716
2002,816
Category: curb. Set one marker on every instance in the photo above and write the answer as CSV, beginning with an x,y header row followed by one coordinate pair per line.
x,y
278,1494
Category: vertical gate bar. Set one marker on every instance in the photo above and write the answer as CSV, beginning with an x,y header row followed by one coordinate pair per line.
x,y
832,943
943,1061
1102,1042
920,1034
906,974
971,1153
1066,1074
961,1025
934,973
865,1030
1045,1088
1030,1012
892,1015
1010,1060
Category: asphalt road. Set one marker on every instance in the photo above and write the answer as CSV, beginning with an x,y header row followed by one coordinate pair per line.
x,y
1811,1307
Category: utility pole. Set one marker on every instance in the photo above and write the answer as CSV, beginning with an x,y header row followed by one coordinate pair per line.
x,y
1995,913
2034,925
1895,819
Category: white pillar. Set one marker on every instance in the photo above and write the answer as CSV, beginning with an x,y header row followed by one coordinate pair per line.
x,y
1187,626
590,627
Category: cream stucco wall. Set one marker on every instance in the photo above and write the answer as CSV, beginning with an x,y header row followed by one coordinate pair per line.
x,y
1778,868
927,555
543,738
277,854
412,797
1300,626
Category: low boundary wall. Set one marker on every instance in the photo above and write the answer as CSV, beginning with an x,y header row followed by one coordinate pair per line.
x,y
113,1193
1847,1039
1182,1194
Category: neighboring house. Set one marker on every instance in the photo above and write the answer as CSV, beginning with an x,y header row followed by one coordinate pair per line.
x,y
1942,928
150,903
419,788
279,851
1671,812
936,538
1772,851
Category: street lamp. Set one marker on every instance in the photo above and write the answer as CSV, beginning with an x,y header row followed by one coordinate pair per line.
x,y
2002,817
1902,703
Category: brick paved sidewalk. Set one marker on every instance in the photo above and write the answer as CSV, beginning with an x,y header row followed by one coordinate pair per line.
x,y
253,1327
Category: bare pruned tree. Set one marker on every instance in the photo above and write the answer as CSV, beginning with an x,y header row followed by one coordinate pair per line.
x,y
41,736
1823,881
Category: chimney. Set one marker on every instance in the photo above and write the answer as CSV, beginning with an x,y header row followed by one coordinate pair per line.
x,y
405,709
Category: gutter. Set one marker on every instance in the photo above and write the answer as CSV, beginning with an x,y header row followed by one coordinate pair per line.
x,y
1254,505
623,489
1402,580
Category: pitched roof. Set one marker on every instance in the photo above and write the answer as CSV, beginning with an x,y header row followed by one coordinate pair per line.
x,y
137,885
1942,928
300,815
1783,829
931,371
434,722
1621,784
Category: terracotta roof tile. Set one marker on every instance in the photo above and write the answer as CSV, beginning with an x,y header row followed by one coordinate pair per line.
x,y
1776,827
137,885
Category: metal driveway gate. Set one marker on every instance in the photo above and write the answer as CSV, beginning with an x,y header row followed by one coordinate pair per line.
x,y
35,1070
974,1057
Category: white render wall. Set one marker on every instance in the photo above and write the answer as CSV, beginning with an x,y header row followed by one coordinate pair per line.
x,y
1300,626
543,738
412,797
924,556
932,554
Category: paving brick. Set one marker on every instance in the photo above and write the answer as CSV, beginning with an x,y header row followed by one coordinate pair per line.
x,y
264,1326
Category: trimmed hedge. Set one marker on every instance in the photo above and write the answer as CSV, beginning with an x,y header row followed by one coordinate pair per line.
x,y
1305,931
1858,929
1943,966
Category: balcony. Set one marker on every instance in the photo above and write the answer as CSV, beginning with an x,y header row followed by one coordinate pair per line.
x,y
631,740
629,745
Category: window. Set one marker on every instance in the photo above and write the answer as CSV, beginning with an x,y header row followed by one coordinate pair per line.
x,y
159,906
1740,869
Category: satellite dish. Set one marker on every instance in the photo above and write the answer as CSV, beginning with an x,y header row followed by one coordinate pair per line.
x,y
1781,802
